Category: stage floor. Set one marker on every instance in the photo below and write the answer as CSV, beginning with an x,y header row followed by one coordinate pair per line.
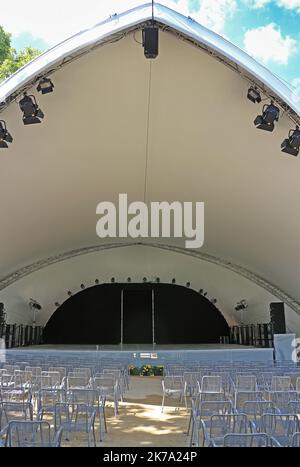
x,y
140,347
139,354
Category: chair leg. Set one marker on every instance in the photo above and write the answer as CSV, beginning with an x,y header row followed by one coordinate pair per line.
x,y
163,403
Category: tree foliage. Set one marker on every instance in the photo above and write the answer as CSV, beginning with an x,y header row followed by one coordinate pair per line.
x,y
10,59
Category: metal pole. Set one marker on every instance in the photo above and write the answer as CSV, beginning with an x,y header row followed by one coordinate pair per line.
x,y
153,318
122,311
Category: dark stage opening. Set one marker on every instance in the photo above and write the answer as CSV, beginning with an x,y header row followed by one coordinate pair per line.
x,y
136,314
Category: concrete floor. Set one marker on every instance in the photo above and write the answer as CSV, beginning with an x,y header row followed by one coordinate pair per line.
x,y
140,421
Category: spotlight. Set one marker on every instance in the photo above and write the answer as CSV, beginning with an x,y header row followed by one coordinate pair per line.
x,y
205,293
144,279
5,136
96,281
270,114
201,291
291,144
82,286
188,284
213,301
242,305
173,281
158,280
57,304
31,111
112,280
45,86
128,279
150,41
69,293
254,95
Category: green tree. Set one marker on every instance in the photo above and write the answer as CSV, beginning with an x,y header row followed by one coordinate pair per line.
x,y
10,59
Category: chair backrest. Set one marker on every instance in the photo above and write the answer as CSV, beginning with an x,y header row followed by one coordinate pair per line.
x,y
29,434
174,382
61,369
209,408
77,381
296,439
47,398
103,383
281,383
68,415
246,383
256,408
211,384
83,370
279,424
245,440
85,396
220,425
50,379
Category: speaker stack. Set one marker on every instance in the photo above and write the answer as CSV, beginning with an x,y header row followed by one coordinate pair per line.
x,y
277,317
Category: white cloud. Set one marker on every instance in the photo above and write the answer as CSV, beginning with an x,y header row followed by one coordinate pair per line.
x,y
267,44
63,18
60,18
213,14
289,4
255,4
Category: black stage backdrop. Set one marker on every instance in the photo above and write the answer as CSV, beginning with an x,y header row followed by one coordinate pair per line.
x,y
93,316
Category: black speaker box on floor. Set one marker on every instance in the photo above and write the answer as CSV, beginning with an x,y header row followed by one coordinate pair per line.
x,y
277,317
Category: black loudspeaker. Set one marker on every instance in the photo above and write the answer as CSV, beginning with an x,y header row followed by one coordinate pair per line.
x,y
277,317
150,41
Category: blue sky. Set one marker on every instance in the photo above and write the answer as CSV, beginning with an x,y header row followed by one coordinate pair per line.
x,y
269,30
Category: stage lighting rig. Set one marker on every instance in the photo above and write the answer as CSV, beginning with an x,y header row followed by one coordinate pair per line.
x,y
31,111
70,293
97,281
45,86
291,144
270,114
157,280
112,280
188,284
254,95
173,281
128,280
82,286
241,305
5,136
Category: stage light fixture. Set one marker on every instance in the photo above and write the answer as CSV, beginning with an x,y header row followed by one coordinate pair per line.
x,y
188,284
173,281
213,301
291,144
57,304
82,286
270,114
254,95
205,294
144,279
31,111
158,280
5,136
201,291
96,281
70,293
112,280
128,279
45,86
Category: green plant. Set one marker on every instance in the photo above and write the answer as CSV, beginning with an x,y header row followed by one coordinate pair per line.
x,y
146,370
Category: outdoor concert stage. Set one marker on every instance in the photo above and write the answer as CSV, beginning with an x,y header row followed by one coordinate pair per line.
x,y
160,354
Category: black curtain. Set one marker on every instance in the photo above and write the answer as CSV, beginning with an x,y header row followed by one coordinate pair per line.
x,y
93,316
